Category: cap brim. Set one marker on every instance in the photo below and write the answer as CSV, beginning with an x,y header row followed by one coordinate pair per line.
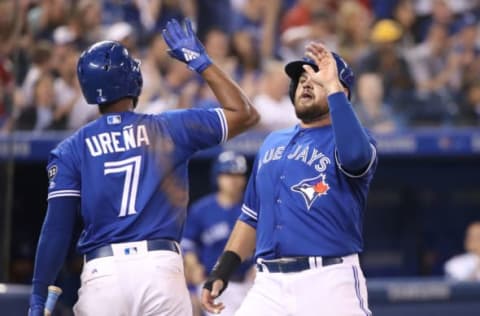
x,y
295,69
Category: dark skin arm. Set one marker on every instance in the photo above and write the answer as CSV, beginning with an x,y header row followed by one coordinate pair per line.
x,y
242,242
238,109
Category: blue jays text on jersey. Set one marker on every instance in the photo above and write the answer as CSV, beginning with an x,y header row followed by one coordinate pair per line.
x,y
301,200
130,171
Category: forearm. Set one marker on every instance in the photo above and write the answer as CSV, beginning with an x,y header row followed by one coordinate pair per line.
x,y
241,113
353,147
242,240
53,245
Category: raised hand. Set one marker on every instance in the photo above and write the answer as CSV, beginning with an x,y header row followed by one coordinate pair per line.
x,y
185,46
327,74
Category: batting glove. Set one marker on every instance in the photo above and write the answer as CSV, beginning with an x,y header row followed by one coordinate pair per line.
x,y
185,46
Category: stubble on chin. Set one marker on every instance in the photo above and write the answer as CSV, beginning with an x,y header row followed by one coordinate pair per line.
x,y
311,112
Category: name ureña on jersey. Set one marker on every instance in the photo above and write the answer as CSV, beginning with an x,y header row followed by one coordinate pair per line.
x,y
118,141
310,156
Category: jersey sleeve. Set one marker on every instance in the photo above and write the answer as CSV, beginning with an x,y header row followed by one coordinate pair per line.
x,y
63,173
250,205
372,165
197,128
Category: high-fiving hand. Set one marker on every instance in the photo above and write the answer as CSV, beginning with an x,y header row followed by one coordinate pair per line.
x,y
185,46
327,74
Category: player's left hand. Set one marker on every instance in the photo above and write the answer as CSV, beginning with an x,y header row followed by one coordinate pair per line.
x,y
327,74
185,46
208,298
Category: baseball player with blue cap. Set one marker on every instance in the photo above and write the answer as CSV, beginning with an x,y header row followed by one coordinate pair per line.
x,y
303,208
210,222
126,175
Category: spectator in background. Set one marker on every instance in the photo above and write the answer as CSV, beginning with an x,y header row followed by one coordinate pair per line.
x,y
63,43
5,101
41,64
218,46
469,113
353,30
39,115
404,14
210,222
86,23
371,109
300,13
440,13
132,12
13,15
47,15
465,56
466,267
123,33
272,102
386,58
320,28
432,73
71,105
254,35
179,88
155,62
214,14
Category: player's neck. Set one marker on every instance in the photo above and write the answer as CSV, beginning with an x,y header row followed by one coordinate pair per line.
x,y
324,120
122,105
227,200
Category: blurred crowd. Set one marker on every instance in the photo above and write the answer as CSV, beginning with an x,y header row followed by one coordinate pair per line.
x,y
416,62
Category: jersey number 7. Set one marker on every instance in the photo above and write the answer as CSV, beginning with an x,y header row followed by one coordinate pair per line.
x,y
131,168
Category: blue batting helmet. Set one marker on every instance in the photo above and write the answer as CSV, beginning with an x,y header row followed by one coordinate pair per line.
x,y
295,69
230,162
108,73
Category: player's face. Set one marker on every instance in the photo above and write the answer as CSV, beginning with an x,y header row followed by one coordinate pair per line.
x,y
232,184
310,100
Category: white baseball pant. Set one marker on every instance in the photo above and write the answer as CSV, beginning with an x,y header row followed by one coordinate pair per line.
x,y
141,283
337,289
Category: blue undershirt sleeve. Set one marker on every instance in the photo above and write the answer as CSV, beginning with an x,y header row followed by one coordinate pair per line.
x,y
52,245
353,147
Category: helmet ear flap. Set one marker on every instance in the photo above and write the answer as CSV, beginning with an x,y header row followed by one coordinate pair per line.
x,y
292,88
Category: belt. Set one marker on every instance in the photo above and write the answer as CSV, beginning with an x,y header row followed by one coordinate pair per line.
x,y
295,264
156,244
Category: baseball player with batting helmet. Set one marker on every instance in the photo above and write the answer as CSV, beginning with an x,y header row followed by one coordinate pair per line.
x,y
210,222
126,175
304,203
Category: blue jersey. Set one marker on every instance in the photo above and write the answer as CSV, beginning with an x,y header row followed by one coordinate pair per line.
x,y
130,171
301,201
207,230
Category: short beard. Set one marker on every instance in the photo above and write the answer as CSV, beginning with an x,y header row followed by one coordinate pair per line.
x,y
312,114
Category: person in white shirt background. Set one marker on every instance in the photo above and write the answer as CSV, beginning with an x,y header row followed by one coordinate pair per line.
x,y
272,102
466,267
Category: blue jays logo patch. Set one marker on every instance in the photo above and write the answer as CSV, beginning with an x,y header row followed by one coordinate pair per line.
x,y
311,189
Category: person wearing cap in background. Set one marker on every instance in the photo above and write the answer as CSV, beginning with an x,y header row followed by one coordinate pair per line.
x,y
209,224
387,58
304,203
123,33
